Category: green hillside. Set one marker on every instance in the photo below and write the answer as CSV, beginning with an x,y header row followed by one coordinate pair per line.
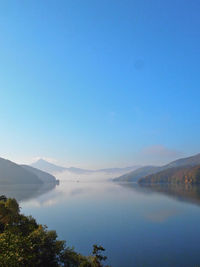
x,y
176,175
134,176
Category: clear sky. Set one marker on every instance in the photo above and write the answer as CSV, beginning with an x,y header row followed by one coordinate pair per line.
x,y
99,83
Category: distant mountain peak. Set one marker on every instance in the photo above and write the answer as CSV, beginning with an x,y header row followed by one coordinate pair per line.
x,y
41,160
47,166
52,168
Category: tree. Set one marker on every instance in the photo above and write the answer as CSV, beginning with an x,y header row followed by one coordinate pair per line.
x,y
98,257
24,242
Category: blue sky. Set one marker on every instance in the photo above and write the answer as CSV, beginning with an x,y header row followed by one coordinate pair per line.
x,y
99,83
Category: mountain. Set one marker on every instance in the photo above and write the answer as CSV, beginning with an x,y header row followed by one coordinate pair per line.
x,y
79,170
175,175
12,173
118,170
190,161
134,176
43,176
47,166
52,168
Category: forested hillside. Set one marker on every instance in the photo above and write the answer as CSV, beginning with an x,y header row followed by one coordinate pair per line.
x,y
135,175
186,175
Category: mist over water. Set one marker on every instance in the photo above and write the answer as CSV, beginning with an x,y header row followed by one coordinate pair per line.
x,y
88,177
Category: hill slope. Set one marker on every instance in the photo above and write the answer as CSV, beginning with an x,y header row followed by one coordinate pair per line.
x,y
190,161
183,174
43,176
11,173
134,176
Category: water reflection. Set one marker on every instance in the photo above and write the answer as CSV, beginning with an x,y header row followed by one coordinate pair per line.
x,y
25,191
181,192
138,225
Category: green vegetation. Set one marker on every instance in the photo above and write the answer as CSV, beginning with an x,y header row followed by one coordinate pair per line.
x,y
142,172
24,242
184,175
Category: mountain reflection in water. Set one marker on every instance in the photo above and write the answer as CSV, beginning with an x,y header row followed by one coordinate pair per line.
x,y
138,225
181,192
25,191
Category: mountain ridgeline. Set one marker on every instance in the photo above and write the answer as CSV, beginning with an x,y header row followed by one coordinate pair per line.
x,y
46,166
12,173
145,171
55,169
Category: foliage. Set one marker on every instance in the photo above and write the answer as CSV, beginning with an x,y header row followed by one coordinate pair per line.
x,y
141,173
23,242
176,175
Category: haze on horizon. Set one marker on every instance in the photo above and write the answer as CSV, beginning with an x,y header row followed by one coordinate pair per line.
x,y
96,84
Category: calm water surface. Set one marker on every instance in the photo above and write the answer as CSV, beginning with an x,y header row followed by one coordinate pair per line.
x,y
138,226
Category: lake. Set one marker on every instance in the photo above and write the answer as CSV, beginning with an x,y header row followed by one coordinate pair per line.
x,y
138,226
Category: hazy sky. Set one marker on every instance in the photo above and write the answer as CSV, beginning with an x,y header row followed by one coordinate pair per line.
x,y
99,83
